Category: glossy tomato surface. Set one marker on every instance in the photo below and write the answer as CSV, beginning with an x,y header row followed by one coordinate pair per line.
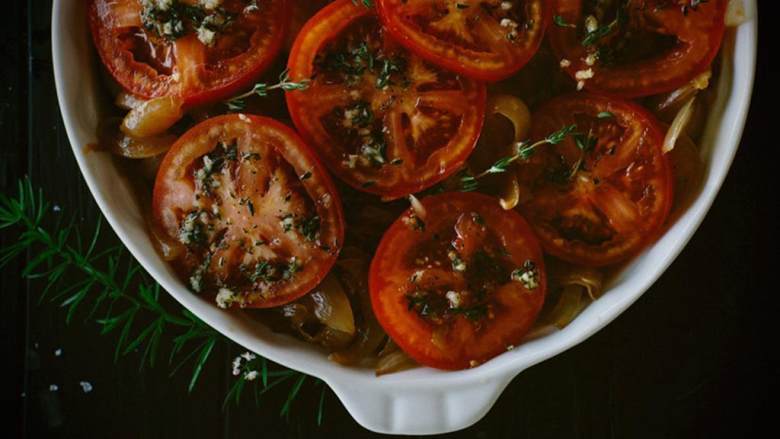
x,y
637,47
459,282
598,197
258,216
383,120
198,53
486,40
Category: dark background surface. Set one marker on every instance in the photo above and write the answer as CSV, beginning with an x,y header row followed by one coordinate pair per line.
x,y
691,358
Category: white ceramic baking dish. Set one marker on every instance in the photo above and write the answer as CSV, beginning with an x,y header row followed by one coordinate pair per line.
x,y
422,400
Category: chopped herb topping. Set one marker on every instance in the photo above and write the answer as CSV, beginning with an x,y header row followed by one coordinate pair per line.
x,y
196,278
191,232
172,19
292,267
286,222
457,263
309,227
437,307
528,275
414,221
268,272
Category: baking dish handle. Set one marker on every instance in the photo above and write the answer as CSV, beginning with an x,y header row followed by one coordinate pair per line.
x,y
419,410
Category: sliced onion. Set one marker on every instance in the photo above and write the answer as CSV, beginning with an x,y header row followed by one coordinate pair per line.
x,y
112,139
332,339
736,13
148,167
667,105
688,169
393,359
678,125
567,307
514,109
417,206
332,307
591,279
353,272
147,147
168,248
128,101
152,117
301,317
510,195
362,351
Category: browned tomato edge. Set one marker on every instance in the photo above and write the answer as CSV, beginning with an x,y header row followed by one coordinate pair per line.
x,y
449,63
309,155
375,288
203,97
646,119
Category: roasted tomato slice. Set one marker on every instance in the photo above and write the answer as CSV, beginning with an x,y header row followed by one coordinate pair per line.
x,y
635,48
600,195
485,39
458,281
384,121
199,52
258,215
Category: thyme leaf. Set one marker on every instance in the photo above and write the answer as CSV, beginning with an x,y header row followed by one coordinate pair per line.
x,y
261,89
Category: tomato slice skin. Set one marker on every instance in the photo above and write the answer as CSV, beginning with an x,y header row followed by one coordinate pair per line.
x,y
685,45
409,258
149,65
601,200
486,49
265,219
425,120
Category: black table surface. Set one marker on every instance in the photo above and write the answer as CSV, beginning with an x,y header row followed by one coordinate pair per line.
x,y
689,359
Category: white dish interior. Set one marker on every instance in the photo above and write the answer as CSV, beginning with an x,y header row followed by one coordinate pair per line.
x,y
422,400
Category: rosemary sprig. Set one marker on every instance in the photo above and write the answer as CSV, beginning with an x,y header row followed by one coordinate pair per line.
x,y
121,294
366,3
523,151
238,103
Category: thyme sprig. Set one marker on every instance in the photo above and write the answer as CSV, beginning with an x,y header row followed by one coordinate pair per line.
x,y
593,36
523,151
561,22
238,103
115,292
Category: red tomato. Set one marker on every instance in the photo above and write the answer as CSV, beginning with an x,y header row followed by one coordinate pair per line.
x,y
383,120
258,214
597,198
638,47
486,40
202,55
460,283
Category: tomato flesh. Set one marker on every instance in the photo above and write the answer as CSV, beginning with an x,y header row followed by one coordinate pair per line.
x,y
460,284
256,212
599,199
383,120
486,40
201,55
638,47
